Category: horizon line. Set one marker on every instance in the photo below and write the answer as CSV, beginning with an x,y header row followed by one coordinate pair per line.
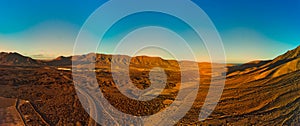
x,y
53,58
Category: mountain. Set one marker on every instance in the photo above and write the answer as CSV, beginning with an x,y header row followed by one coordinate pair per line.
x,y
17,60
101,60
60,61
281,65
261,93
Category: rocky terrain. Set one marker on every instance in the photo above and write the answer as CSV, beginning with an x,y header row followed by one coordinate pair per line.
x,y
43,93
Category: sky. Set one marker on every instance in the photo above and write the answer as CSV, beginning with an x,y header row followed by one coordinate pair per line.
x,y
250,29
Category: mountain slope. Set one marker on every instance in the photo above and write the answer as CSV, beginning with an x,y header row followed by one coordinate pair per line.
x,y
267,101
283,64
261,93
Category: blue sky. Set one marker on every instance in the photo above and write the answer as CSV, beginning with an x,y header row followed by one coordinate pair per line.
x,y
250,29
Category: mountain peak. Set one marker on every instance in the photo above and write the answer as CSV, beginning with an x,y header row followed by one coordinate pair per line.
x,y
60,58
12,55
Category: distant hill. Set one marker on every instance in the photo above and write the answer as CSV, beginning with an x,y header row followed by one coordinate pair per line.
x,y
98,59
17,60
60,61
106,60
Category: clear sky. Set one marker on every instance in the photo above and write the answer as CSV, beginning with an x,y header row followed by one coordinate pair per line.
x,y
250,29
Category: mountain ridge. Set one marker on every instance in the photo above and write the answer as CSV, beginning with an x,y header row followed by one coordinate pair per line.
x,y
13,58
282,64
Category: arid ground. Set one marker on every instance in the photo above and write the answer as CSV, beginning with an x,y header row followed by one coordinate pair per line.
x,y
35,92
